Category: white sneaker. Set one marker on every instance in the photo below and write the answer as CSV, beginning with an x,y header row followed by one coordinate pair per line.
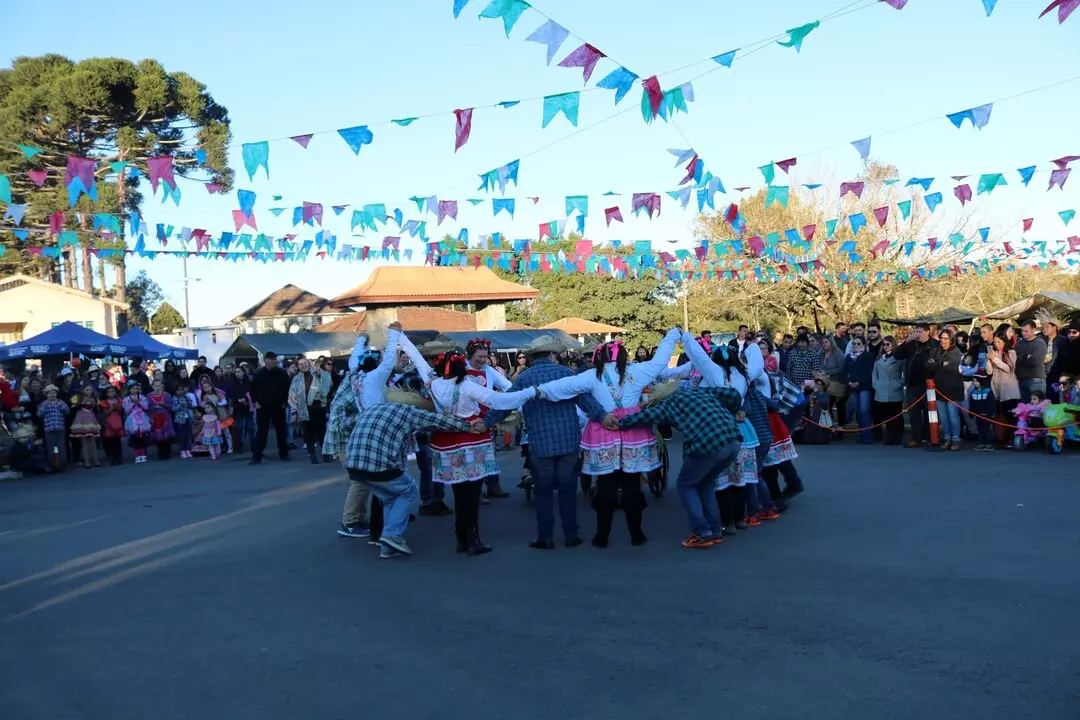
x,y
394,543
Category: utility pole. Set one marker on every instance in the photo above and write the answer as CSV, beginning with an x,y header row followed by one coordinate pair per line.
x,y
187,305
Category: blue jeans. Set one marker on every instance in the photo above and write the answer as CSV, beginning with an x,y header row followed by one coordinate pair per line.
x,y
757,494
949,418
695,483
548,474
397,497
429,491
860,401
245,430
1029,385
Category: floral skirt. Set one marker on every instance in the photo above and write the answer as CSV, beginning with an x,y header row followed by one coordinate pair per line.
x,y
782,448
632,450
461,457
85,424
740,472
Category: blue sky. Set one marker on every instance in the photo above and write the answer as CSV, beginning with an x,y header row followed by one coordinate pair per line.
x,y
285,69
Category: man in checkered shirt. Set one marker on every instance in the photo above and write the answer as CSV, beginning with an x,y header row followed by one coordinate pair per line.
x,y
708,418
376,456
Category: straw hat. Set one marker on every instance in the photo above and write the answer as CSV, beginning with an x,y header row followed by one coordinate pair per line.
x,y
660,392
404,397
436,347
51,388
543,345
24,433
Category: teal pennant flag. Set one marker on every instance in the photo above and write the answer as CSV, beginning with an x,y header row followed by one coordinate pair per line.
x,y
797,35
565,103
509,10
777,193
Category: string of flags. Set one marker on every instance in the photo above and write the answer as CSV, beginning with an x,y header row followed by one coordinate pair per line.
x,y
1065,8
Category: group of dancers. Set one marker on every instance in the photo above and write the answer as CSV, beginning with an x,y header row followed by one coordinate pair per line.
x,y
735,441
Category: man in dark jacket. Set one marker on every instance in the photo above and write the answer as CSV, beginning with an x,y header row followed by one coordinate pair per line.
x,y
270,391
1030,361
916,351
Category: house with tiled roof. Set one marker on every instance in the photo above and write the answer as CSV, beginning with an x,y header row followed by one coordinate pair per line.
x,y
288,310
415,318
391,289
582,329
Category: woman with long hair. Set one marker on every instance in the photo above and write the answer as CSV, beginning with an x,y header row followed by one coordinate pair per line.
x,y
463,460
307,395
1001,367
617,457
888,382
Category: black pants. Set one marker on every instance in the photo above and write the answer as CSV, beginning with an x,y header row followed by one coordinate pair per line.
x,y
772,474
164,449
114,450
375,518
917,414
890,414
732,504
467,504
264,418
314,428
606,502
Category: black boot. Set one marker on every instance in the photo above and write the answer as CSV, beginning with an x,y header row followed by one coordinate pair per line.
x,y
462,539
604,516
634,507
476,545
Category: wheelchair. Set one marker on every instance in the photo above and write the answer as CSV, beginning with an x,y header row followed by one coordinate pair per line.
x,y
657,479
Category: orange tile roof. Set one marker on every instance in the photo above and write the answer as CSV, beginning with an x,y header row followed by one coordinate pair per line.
x,y
288,301
423,285
415,318
578,326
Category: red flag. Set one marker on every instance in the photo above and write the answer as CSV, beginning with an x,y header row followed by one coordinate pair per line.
x,y
808,232
653,91
463,126
1027,223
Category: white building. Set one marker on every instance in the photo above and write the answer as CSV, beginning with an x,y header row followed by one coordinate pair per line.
x,y
211,341
29,306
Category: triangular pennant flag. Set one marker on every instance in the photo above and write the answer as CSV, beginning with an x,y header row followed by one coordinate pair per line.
x,y
620,80
1065,8
584,57
808,232
256,155
984,233
858,222
565,103
786,165
404,122
462,127
1058,177
301,140
160,169
447,208
498,204
37,176
989,5
988,182
1065,215
613,213
312,212
863,146
240,220
551,34
1028,222
246,200
1026,174
797,35
905,208
459,5
277,211
577,202
881,214
29,151
356,137
14,212
852,187
768,172
962,193
924,182
509,10
726,59
979,116
652,97
775,193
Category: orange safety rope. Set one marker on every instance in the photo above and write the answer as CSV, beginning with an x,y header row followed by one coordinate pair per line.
x,y
869,427
996,422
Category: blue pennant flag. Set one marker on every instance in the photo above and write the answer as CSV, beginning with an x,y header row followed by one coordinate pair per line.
x,y
246,198
727,58
924,182
1026,174
979,116
565,103
356,137
509,10
498,204
858,222
620,80
508,103
863,146
932,201
459,5
551,34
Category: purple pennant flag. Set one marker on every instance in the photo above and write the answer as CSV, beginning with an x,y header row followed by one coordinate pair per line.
x,y
585,57
82,168
612,213
898,4
462,127
161,168
311,211
212,188
1058,177
963,193
38,176
390,242
447,208
854,187
645,201
1063,162
1065,8
302,140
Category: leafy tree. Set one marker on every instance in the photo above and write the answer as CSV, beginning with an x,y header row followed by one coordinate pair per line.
x,y
111,110
145,297
166,319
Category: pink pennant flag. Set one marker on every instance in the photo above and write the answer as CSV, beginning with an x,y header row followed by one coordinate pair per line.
x,y
302,140
462,127
1058,177
56,223
1063,162
1027,223
612,213
1008,248
240,220
585,57
35,251
535,200
691,167
786,165
160,168
1074,243
881,214
932,242
808,232
311,211
757,245
853,187
962,193
447,208
38,176
879,248
1065,8
653,91
212,188
545,230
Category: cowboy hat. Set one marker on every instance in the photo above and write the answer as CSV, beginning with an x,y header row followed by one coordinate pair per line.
x,y
660,392
405,397
436,347
24,433
543,345
51,388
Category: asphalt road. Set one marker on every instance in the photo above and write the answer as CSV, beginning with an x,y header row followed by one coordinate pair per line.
x,y
900,585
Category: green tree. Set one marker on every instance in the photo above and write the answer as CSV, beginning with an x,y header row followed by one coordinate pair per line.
x,y
145,297
111,110
166,319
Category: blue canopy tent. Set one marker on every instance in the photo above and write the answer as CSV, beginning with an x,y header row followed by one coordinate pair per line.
x,y
142,345
65,339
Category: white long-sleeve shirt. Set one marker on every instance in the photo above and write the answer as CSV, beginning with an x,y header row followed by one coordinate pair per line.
x,y
493,377
606,390
374,382
712,375
471,395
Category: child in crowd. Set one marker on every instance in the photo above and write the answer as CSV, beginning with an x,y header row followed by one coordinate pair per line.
x,y
983,403
818,431
26,454
182,418
112,421
161,425
211,429
52,412
86,427
137,422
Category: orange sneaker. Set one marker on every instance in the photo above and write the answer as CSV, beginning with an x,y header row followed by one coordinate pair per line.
x,y
769,515
696,541
752,520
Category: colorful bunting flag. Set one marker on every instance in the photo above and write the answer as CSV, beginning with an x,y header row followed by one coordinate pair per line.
x,y
962,193
462,127
257,155
852,187
356,137
1028,222
768,172
565,103
551,34
508,10
726,59
1065,8
863,146
620,80
979,116
498,204
988,182
777,193
577,202
858,222
1065,215
898,4
29,151
905,208
301,140
38,176
612,213
786,165
881,214
932,201
447,208
1058,177
584,57
459,5
797,35
653,96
